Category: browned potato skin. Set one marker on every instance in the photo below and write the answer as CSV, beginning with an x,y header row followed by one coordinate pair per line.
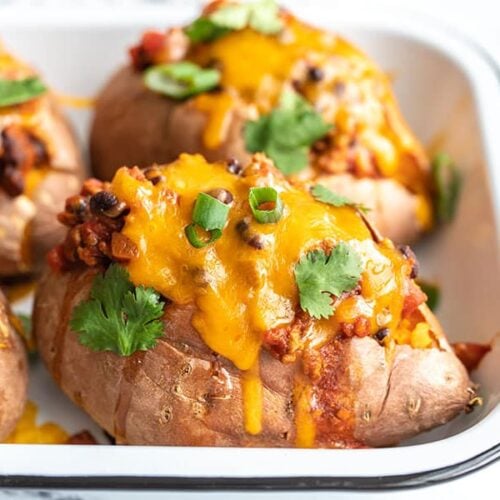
x,y
181,393
135,126
13,372
28,225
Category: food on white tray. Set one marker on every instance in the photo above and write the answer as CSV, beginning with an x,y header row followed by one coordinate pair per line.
x,y
216,304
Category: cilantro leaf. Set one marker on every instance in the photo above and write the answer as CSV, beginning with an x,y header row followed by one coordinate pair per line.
x,y
323,194
318,276
448,185
119,316
286,133
18,91
261,16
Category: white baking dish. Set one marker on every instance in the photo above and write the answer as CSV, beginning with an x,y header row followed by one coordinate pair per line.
x,y
450,94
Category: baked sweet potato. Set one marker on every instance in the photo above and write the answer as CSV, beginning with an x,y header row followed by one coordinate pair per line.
x,y
40,166
13,372
380,162
285,322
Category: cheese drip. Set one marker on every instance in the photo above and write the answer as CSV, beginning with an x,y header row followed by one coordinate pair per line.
x,y
240,291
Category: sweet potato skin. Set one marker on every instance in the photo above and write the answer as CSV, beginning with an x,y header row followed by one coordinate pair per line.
x,y
13,372
134,126
182,393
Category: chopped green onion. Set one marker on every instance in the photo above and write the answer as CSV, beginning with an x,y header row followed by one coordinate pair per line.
x,y
210,215
198,242
18,91
181,80
264,195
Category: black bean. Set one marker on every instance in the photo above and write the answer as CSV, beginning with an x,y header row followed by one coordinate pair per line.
x,y
77,205
256,241
221,194
154,175
381,334
242,226
234,166
252,239
315,74
106,203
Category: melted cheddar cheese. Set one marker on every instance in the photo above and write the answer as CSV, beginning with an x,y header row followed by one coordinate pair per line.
x,y
240,291
353,94
28,431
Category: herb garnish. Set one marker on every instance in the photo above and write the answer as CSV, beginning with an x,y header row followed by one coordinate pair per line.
x,y
18,91
323,194
262,16
118,316
209,214
447,184
286,133
319,276
181,80
266,204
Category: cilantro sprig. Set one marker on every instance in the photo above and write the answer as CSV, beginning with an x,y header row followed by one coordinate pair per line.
x,y
287,133
319,276
118,316
323,194
18,91
262,16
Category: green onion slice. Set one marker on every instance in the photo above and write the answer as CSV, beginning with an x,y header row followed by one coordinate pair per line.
x,y
199,242
18,91
210,213
260,196
181,80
